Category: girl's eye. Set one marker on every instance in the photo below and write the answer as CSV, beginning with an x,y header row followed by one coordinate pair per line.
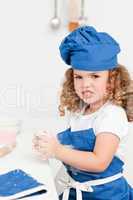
x,y
95,76
77,77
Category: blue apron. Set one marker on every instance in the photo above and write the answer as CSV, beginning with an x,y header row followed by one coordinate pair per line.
x,y
84,140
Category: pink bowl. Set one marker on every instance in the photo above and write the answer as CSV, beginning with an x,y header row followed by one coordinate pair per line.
x,y
7,137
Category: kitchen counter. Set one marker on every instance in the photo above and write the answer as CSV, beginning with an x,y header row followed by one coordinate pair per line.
x,y
23,157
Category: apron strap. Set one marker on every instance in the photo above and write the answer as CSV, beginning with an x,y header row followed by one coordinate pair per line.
x,y
84,186
79,188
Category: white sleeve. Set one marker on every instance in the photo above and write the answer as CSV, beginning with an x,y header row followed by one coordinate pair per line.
x,y
113,120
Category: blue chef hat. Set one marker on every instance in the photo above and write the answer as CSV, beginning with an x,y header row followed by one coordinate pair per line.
x,y
87,49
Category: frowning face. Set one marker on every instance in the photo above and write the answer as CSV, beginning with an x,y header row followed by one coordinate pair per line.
x,y
90,86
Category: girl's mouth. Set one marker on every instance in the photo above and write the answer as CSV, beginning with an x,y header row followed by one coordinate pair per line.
x,y
87,93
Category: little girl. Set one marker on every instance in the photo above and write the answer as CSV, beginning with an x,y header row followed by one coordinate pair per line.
x,y
98,95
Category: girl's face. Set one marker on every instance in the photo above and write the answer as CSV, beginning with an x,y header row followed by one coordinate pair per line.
x,y
90,86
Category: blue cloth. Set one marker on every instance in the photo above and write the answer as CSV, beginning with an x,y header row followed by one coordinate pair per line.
x,y
84,140
17,181
89,50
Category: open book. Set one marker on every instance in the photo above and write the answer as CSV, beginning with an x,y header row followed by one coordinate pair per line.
x,y
17,184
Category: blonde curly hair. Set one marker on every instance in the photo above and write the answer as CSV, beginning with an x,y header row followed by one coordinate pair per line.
x,y
120,91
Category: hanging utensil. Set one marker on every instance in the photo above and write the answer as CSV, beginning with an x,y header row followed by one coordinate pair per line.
x,y
82,19
55,21
73,14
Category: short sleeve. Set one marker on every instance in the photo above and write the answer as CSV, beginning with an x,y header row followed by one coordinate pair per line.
x,y
113,120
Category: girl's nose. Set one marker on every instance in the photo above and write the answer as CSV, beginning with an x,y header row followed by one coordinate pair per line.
x,y
87,82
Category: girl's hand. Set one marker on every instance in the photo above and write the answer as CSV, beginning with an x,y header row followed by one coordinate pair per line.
x,y
46,145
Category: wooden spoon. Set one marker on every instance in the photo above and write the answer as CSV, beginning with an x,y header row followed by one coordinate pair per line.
x,y
73,14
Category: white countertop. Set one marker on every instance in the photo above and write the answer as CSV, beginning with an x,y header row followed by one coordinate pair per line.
x,y
24,158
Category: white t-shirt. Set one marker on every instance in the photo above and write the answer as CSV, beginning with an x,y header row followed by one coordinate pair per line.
x,y
109,118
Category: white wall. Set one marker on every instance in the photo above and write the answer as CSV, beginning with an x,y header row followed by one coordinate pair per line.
x,y
31,68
